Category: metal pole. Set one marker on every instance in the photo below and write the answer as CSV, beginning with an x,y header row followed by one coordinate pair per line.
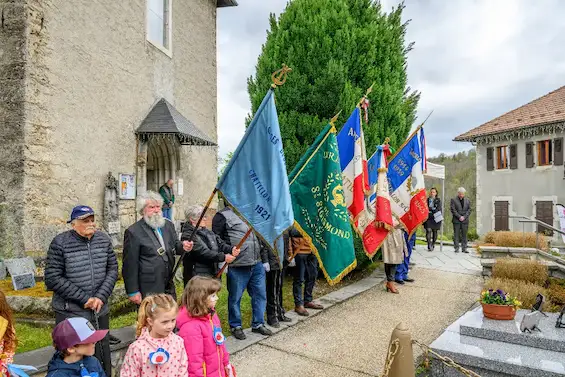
x,y
443,211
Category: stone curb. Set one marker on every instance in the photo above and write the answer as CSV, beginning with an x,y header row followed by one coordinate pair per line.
x,y
377,277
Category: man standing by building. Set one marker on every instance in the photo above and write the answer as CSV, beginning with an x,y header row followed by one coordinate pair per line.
x,y
168,196
246,272
150,246
461,211
82,270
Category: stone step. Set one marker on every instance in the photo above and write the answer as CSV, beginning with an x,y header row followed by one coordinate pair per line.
x,y
549,338
490,358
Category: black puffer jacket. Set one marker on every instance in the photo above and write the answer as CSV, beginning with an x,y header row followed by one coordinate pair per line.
x,y
208,252
78,268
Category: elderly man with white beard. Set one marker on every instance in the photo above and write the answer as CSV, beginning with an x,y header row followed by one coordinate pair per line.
x,y
150,246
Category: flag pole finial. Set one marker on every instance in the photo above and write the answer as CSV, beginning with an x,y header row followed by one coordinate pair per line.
x,y
387,140
334,119
279,76
366,95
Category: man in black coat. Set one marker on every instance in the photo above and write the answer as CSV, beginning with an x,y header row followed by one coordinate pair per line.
x,y
461,211
275,309
82,270
209,249
150,246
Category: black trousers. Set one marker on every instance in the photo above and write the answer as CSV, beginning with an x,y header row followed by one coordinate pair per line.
x,y
275,309
460,236
102,348
305,275
390,271
431,237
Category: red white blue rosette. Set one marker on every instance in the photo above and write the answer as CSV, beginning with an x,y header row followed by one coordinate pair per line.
x,y
219,338
159,357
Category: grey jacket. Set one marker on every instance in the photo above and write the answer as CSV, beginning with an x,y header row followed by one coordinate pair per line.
x,y
231,229
457,210
77,269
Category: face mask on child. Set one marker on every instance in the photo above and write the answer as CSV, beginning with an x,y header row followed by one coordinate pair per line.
x,y
212,300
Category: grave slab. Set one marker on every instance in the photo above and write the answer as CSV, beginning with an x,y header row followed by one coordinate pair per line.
x,y
2,271
550,337
20,266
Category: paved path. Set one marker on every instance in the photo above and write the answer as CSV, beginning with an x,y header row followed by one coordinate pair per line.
x,y
350,338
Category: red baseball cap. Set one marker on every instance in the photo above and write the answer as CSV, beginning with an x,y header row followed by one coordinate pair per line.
x,y
75,331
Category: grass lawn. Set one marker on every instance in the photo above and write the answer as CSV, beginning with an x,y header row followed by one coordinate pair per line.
x,y
31,337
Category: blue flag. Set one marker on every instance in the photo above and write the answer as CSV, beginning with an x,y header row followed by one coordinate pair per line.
x,y
255,182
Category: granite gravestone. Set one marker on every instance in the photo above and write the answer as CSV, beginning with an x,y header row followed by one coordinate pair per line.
x,y
530,322
22,271
20,266
23,281
112,209
2,271
560,324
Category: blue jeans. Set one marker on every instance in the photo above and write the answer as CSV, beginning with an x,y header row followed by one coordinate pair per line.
x,y
305,273
167,213
253,279
402,268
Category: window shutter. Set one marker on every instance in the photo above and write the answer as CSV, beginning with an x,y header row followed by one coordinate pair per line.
x,y
529,155
558,151
490,159
513,156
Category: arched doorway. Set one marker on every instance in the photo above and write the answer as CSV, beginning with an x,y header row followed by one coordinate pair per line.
x,y
163,162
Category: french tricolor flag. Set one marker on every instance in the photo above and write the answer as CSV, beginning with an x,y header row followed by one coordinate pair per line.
x,y
406,182
379,207
351,144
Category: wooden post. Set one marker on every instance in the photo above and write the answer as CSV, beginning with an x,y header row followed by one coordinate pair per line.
x,y
403,363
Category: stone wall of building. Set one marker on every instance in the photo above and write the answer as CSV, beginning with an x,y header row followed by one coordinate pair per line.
x,y
92,79
12,103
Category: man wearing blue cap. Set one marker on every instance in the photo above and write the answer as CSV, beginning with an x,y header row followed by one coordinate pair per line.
x,y
82,270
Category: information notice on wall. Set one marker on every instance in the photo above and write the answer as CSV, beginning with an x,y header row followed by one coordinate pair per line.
x,y
180,187
127,186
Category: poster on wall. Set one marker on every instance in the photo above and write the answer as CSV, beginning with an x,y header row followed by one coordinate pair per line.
x,y
561,213
127,186
180,187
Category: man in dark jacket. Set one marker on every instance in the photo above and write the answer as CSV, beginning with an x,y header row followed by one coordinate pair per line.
x,y
209,249
246,272
166,192
275,310
82,270
461,211
150,246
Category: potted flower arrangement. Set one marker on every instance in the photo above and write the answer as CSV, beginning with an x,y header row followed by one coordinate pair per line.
x,y
499,304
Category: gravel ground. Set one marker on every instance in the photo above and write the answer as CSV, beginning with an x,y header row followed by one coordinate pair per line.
x,y
351,338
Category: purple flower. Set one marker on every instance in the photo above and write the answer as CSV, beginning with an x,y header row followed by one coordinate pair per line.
x,y
500,292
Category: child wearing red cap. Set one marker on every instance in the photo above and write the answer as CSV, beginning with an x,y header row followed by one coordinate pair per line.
x,y
75,340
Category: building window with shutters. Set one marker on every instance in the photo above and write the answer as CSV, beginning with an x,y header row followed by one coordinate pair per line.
x,y
159,18
501,218
544,212
502,155
545,155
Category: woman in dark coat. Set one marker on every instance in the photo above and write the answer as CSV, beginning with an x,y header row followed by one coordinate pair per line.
x,y
434,212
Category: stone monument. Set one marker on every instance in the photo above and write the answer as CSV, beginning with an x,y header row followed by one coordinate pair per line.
x,y
112,209
22,271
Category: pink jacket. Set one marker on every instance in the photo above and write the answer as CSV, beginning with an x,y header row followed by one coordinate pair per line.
x,y
136,361
205,357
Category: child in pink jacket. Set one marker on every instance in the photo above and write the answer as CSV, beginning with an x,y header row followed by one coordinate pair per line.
x,y
201,330
157,352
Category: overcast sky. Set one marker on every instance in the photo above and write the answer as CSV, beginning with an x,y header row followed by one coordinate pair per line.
x,y
473,61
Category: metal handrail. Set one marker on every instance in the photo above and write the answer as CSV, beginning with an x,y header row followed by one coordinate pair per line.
x,y
526,219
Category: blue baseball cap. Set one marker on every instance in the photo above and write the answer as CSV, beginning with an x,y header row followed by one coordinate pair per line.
x,y
81,212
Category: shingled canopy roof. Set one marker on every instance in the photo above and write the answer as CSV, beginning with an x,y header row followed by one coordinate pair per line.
x,y
226,3
542,111
164,119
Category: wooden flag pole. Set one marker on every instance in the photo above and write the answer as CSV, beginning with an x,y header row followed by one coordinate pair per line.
x,y
239,245
177,265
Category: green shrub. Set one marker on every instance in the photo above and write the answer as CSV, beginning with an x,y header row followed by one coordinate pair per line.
x,y
472,235
520,269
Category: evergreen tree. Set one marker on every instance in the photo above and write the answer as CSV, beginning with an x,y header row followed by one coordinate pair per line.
x,y
336,49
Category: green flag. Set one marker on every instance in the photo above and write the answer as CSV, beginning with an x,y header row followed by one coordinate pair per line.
x,y
319,207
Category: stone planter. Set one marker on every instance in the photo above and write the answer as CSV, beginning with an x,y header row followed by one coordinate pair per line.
x,y
499,312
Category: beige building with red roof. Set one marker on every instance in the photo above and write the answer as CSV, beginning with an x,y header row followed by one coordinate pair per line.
x,y
520,164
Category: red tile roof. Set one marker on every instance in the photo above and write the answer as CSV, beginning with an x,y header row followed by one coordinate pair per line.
x,y
544,110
